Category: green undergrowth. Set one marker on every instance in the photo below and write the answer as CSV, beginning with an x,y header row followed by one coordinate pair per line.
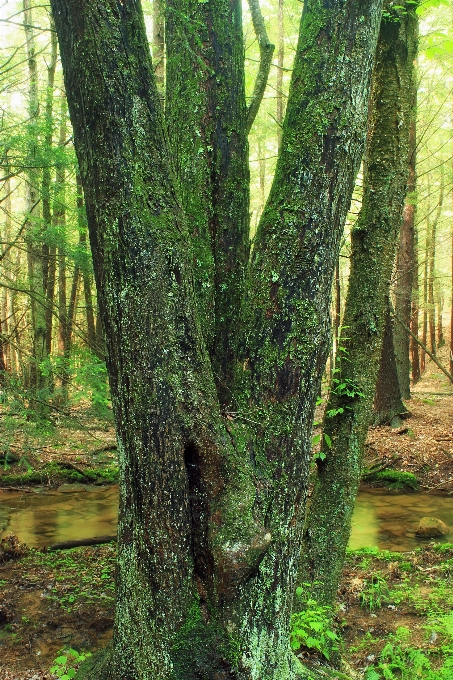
x,y
79,576
55,473
406,629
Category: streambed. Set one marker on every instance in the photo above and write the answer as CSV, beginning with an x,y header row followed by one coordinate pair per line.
x,y
41,518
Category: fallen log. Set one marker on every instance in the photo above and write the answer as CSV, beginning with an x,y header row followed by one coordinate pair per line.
x,y
81,542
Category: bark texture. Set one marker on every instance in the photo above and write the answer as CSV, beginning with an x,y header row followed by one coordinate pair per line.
x,y
211,494
388,398
349,406
207,121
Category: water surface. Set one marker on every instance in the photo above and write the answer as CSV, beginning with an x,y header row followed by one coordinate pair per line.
x,y
41,518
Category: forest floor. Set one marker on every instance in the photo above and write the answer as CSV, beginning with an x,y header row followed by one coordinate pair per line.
x,y
395,609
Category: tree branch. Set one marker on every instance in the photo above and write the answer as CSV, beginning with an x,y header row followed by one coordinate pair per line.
x,y
266,53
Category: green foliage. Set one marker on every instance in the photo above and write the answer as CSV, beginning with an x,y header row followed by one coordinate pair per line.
x,y
375,593
90,374
65,665
399,660
312,627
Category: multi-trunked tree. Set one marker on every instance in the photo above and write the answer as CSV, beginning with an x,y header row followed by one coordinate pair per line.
x,y
215,355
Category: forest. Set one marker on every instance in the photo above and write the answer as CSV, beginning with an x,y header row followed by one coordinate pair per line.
x,y
226,339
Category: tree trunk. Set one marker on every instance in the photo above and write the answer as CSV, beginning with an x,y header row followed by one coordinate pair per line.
x,y
388,400
49,251
92,339
159,45
415,352
280,64
211,500
207,120
431,259
33,233
425,293
374,237
440,330
405,267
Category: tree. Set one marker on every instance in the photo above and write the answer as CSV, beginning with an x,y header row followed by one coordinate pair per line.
x,y
373,244
213,471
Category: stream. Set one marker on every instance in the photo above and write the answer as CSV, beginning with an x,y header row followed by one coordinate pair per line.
x,y
73,511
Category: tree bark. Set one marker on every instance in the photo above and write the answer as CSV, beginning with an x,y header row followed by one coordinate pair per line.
x,y
211,499
207,121
374,237
388,399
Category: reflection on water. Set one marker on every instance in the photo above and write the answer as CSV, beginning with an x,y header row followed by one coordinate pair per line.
x,y
41,519
387,520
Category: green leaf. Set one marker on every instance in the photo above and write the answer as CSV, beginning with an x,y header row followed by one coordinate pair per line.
x,y
295,644
328,440
316,625
315,439
71,672
372,675
312,642
61,660
299,591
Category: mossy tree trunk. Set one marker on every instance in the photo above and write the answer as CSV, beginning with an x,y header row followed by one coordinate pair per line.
x,y
212,494
206,115
348,410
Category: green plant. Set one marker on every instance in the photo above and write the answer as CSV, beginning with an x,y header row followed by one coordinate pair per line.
x,y
375,593
401,661
65,665
312,627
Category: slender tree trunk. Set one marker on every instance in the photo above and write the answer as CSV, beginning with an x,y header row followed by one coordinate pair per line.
x,y
86,272
415,352
374,238
451,309
405,269
280,64
159,45
33,232
211,500
49,251
6,311
440,330
425,292
431,261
